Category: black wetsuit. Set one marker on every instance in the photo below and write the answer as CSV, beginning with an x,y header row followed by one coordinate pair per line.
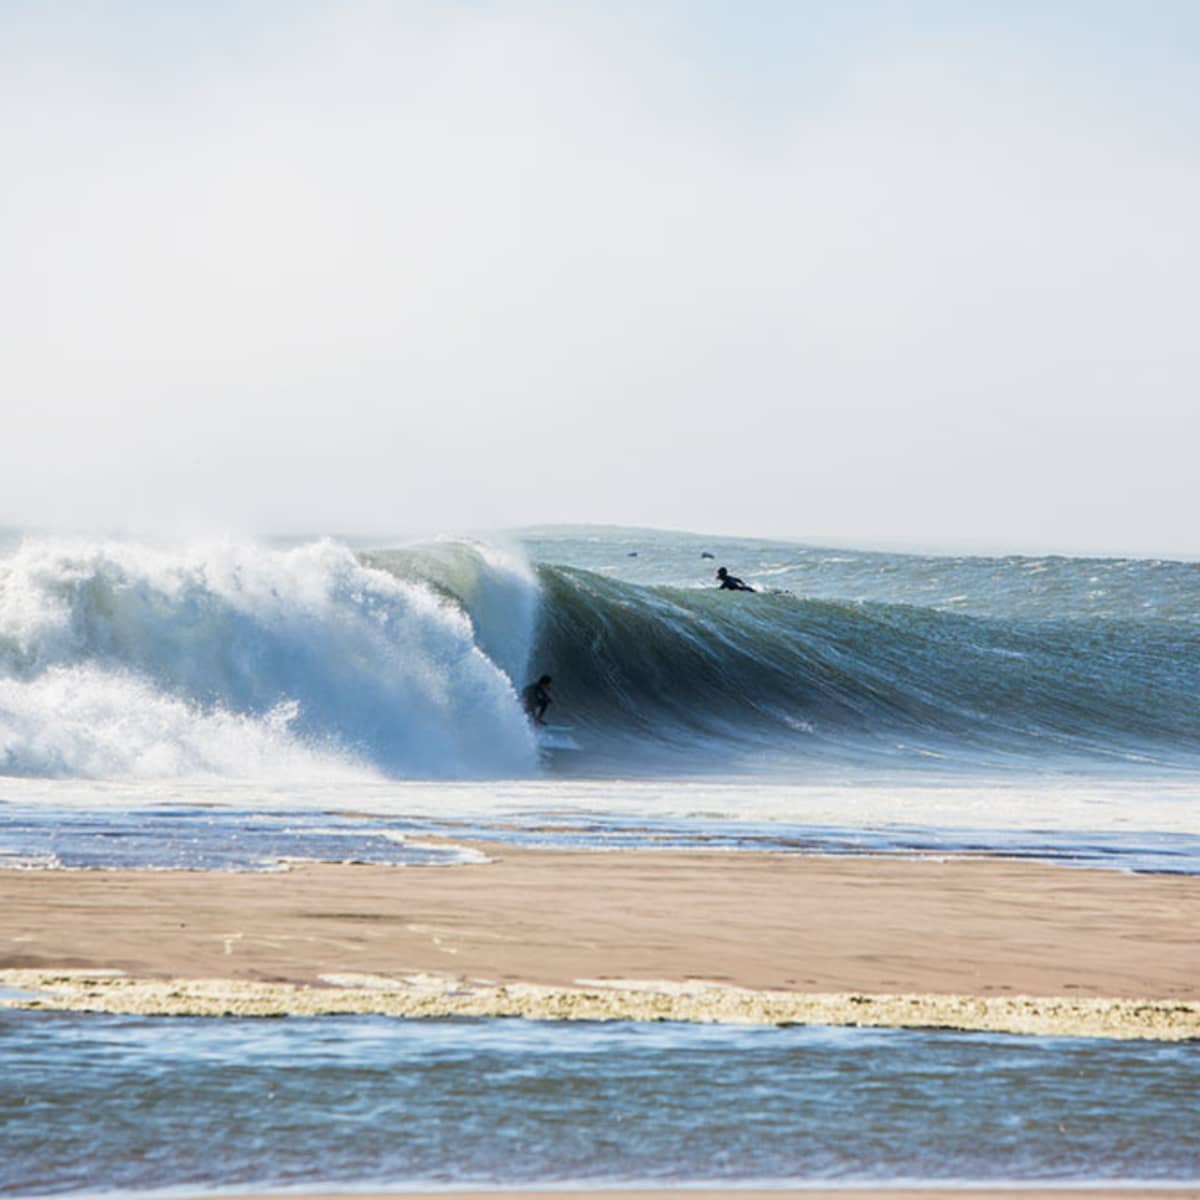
x,y
731,583
536,699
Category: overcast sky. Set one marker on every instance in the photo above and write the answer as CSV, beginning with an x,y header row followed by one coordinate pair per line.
x,y
878,272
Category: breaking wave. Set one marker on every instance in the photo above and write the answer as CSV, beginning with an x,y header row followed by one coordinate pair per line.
x,y
126,661
120,660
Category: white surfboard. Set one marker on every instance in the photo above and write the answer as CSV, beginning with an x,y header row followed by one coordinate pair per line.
x,y
557,737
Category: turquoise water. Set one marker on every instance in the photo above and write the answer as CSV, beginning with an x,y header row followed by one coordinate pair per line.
x,y
1042,707
125,661
93,1104
878,664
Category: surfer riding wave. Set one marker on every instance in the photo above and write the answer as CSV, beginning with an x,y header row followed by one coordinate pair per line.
x,y
536,698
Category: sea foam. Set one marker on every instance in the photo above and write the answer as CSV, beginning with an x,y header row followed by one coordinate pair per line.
x,y
121,660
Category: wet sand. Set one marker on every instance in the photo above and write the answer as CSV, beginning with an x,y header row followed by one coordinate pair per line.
x,y
968,935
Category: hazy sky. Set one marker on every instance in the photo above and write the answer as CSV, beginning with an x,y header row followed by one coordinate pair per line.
x,y
918,272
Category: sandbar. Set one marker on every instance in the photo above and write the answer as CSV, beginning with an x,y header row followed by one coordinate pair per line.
x,y
1015,946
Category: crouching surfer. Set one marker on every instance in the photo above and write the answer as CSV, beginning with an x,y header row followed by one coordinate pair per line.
x,y
731,583
536,698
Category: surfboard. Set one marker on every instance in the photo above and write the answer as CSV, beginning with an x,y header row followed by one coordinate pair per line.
x,y
557,737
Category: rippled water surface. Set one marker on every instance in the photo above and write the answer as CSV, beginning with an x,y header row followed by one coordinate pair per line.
x,y
99,1103
215,837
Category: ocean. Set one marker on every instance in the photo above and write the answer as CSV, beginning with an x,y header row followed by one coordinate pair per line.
x,y
231,705
862,700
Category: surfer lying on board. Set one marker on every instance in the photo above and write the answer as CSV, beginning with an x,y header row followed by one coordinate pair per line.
x,y
731,583
536,698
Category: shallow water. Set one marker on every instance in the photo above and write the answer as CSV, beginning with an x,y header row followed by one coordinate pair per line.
x,y
100,1103
207,839
215,837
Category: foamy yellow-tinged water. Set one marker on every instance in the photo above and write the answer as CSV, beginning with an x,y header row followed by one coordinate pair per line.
x,y
427,996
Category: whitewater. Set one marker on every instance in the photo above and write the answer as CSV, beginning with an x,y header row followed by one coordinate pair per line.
x,y
123,661
241,706
856,691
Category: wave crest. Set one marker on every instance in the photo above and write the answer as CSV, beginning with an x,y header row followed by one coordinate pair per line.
x,y
118,659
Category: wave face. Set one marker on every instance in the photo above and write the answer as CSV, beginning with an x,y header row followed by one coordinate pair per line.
x,y
777,679
126,661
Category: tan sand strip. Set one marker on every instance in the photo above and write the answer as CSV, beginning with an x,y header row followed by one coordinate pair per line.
x,y
757,938
761,921
627,1000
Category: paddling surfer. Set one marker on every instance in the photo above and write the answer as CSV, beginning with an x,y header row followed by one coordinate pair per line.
x,y
731,583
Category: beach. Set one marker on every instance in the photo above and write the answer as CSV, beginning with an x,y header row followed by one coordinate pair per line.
x,y
885,879
600,600
699,936
633,941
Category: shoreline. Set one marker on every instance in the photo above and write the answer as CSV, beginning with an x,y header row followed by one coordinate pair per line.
x,y
560,934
